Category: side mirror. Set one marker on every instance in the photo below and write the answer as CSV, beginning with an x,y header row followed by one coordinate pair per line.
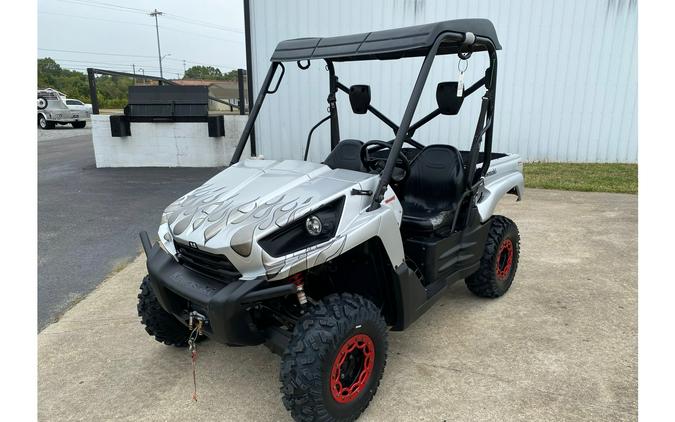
x,y
359,98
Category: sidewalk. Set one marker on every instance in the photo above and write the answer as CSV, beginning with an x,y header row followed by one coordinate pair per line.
x,y
561,345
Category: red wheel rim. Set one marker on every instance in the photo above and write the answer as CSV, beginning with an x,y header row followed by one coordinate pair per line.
x,y
352,368
504,259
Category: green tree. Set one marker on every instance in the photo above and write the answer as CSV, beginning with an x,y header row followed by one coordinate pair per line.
x,y
230,76
111,90
209,72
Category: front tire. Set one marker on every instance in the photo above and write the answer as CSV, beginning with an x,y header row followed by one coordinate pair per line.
x,y
159,323
43,123
335,359
499,262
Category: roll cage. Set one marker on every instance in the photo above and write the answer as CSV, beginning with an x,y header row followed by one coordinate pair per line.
x,y
462,37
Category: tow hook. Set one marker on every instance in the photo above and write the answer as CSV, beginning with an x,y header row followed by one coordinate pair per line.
x,y
196,324
196,319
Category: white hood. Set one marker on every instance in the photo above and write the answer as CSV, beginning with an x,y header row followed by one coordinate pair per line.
x,y
230,212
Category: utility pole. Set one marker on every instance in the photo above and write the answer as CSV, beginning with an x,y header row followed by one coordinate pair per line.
x,y
159,51
133,66
184,68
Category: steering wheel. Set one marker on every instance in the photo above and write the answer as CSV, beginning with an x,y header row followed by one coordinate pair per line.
x,y
375,163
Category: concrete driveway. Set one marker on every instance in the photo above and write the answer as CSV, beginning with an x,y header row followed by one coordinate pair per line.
x,y
561,345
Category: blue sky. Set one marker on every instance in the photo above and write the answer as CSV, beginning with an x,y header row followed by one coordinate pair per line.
x,y
209,32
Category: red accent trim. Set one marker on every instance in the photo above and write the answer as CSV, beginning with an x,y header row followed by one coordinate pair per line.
x,y
388,200
297,278
345,394
503,273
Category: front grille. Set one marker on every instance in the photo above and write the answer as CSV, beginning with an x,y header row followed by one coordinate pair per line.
x,y
208,264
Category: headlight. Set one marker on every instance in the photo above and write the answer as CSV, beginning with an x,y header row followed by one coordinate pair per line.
x,y
319,227
313,225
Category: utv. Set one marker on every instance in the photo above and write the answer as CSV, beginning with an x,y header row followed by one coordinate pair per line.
x,y
318,261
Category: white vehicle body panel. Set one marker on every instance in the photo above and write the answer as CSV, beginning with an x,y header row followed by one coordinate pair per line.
x,y
82,108
232,211
505,174
244,203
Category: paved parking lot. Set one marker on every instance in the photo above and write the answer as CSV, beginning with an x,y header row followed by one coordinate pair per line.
x,y
89,218
61,132
560,346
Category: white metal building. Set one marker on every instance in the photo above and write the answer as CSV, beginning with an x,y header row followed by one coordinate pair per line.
x,y
567,79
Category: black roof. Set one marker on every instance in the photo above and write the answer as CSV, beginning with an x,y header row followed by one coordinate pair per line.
x,y
389,44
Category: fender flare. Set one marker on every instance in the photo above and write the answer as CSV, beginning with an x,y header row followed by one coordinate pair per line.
x,y
495,191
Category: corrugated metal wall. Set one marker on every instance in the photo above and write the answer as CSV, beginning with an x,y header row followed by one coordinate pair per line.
x,y
567,82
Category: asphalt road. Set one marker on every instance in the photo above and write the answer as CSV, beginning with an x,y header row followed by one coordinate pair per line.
x,y
89,218
60,132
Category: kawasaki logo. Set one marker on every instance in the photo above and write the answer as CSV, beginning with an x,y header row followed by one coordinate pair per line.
x,y
491,172
193,245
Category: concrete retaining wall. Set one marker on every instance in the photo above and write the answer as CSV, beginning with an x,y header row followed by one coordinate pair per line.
x,y
165,144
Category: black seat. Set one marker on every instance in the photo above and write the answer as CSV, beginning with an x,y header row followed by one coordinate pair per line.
x,y
346,155
433,190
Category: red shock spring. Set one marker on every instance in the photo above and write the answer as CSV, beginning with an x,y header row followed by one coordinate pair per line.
x,y
299,280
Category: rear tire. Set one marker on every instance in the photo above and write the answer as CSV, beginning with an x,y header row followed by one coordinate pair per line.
x,y
158,322
499,262
342,339
79,125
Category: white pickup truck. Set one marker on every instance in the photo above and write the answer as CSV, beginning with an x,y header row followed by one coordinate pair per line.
x,y
55,109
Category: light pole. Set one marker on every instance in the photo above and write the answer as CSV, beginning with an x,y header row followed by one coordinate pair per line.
x,y
140,69
159,50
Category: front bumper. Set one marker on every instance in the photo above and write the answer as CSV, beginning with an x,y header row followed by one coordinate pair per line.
x,y
225,304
